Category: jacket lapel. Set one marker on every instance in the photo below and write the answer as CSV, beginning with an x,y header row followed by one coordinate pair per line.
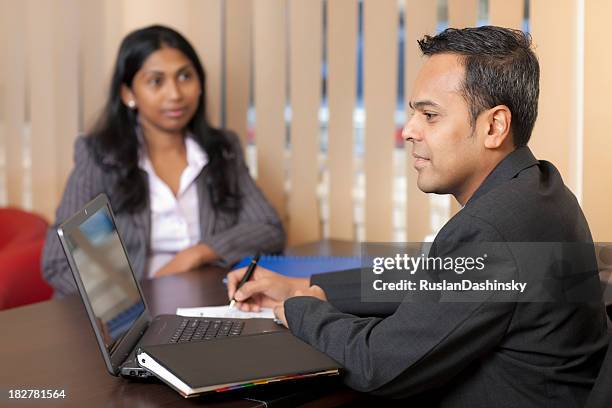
x,y
207,214
142,239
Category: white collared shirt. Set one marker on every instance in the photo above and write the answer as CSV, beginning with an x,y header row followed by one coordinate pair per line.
x,y
175,221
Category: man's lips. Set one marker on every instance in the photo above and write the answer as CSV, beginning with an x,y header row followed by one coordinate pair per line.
x,y
419,161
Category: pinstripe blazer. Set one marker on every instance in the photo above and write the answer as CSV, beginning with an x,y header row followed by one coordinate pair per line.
x,y
255,228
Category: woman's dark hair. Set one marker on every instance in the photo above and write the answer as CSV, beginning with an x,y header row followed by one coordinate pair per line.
x,y
500,69
114,140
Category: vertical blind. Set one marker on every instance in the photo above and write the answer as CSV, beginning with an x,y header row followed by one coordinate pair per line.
x,y
317,91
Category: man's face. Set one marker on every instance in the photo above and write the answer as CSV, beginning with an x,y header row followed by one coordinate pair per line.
x,y
446,149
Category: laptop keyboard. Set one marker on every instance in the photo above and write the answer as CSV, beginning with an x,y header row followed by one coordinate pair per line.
x,y
205,329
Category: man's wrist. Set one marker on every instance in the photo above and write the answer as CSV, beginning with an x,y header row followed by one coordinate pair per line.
x,y
303,283
299,284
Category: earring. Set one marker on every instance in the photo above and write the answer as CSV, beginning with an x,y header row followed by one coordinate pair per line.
x,y
131,104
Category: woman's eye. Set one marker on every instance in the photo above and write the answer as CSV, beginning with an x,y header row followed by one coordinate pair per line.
x,y
155,81
185,76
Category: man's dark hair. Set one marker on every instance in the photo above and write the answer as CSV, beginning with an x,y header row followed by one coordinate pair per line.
x,y
500,69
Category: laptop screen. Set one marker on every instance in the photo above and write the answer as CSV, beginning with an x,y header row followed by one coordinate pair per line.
x,y
105,272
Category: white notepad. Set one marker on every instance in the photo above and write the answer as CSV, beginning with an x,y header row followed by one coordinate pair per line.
x,y
223,311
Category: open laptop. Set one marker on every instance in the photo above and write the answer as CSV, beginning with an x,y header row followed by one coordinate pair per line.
x,y
114,301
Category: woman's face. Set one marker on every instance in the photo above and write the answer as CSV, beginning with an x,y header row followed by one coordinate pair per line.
x,y
165,91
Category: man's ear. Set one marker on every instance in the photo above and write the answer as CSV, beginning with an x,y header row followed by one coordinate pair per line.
x,y
498,120
127,96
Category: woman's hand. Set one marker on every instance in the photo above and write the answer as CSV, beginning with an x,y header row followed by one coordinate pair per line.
x,y
188,259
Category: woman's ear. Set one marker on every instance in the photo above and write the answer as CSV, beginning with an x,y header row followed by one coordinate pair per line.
x,y
499,119
127,96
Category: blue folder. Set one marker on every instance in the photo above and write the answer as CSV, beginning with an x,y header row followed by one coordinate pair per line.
x,y
303,266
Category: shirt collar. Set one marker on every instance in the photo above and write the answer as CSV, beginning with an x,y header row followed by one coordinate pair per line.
x,y
196,156
514,163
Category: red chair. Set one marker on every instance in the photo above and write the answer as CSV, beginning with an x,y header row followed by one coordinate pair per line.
x,y
22,236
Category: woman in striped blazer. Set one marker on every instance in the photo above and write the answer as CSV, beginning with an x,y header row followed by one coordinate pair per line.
x,y
181,191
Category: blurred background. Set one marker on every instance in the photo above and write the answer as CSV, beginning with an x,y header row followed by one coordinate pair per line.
x,y
317,91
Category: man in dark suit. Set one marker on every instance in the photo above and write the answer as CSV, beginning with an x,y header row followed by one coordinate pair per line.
x,y
475,105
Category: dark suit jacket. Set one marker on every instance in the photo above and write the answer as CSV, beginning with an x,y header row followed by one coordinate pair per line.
x,y
472,354
255,228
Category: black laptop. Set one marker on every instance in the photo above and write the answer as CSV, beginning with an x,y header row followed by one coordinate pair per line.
x,y
113,298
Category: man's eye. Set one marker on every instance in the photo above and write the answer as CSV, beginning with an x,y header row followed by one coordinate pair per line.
x,y
429,116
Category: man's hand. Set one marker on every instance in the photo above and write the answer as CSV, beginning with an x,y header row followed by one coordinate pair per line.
x,y
188,259
264,289
314,291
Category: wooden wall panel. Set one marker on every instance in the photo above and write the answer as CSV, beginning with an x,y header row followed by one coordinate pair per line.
x,y
4,35
95,79
41,71
101,32
597,177
420,19
462,13
506,13
305,22
555,135
140,13
13,31
66,92
112,34
380,94
238,44
205,32
270,97
341,88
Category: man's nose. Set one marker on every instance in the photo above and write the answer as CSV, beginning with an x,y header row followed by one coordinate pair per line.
x,y
410,132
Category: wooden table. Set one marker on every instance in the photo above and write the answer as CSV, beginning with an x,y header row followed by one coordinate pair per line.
x,y
51,345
